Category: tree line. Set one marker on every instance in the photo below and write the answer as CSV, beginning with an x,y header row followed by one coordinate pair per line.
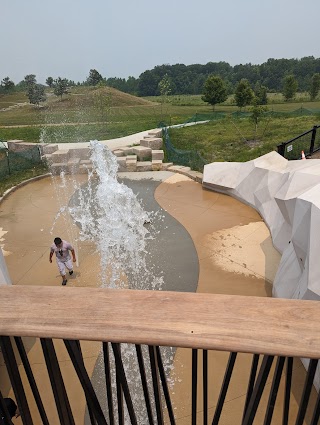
x,y
191,79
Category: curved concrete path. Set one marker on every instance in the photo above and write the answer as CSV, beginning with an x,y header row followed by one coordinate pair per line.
x,y
234,251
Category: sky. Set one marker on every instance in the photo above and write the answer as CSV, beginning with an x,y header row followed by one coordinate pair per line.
x,y
122,38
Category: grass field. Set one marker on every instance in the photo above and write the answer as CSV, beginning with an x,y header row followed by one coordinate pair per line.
x,y
235,139
88,113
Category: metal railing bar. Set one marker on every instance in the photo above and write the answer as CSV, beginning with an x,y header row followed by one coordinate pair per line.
x,y
91,415
144,383
123,381
224,388
106,359
57,384
296,138
120,407
313,138
252,378
165,386
32,382
4,411
194,386
156,383
15,379
205,385
78,364
306,391
287,391
316,412
258,390
274,390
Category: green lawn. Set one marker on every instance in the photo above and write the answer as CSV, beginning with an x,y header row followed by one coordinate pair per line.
x,y
232,139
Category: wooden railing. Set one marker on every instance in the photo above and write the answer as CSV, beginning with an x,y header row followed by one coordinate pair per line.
x,y
280,328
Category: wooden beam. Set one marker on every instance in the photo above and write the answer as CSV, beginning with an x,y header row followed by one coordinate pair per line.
x,y
219,322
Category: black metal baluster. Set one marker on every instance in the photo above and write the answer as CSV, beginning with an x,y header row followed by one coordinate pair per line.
x,y
91,415
92,400
124,383
205,385
144,383
32,382
313,138
119,396
287,391
258,390
120,406
252,378
274,390
106,358
306,391
224,388
15,379
165,386
7,420
155,383
57,384
316,412
194,386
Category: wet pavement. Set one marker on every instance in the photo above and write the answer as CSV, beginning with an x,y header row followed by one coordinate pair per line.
x,y
206,242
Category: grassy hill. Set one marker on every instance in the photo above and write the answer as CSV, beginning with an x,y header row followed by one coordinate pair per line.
x,y
83,114
90,97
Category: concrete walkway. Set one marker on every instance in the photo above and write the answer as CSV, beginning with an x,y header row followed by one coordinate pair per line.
x,y
112,143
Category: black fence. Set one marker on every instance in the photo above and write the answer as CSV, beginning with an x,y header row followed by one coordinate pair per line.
x,y
156,400
308,142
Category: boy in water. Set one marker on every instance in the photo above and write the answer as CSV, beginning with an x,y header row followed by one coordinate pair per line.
x,y
61,249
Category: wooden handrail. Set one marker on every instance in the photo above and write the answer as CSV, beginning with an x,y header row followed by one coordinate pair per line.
x,y
218,322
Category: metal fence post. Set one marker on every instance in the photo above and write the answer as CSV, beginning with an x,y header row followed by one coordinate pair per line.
x,y
313,138
281,148
8,161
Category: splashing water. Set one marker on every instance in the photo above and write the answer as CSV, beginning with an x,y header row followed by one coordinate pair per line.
x,y
110,215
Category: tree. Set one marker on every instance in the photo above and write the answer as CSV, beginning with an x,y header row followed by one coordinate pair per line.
x,y
132,85
289,87
7,85
148,84
165,86
94,78
49,81
36,94
30,80
261,94
103,100
60,87
315,86
257,111
165,89
214,91
244,94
